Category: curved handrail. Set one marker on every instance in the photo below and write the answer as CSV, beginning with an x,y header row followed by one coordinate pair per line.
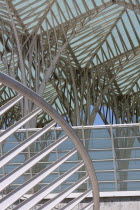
x,y
34,97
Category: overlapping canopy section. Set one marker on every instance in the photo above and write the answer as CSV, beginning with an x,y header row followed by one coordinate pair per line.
x,y
82,56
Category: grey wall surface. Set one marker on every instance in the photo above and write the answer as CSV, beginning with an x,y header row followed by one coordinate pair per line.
x,y
125,203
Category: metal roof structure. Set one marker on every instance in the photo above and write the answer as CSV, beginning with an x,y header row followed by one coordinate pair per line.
x,y
81,56
10,198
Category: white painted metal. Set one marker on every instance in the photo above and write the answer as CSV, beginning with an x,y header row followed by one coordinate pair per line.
x,y
72,44
9,178
114,161
10,103
33,200
53,202
85,127
12,197
20,191
77,200
5,134
80,38
16,150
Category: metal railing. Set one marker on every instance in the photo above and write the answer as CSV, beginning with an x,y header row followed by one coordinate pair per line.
x,y
113,149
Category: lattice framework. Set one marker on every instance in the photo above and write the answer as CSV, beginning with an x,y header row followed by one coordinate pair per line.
x,y
81,56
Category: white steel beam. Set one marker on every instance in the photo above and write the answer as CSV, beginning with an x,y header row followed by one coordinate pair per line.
x,y
9,178
53,202
16,150
76,201
10,103
40,102
20,191
33,200
5,134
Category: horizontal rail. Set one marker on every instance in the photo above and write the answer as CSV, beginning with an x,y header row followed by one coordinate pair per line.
x,y
22,189
9,178
107,149
16,150
33,200
87,127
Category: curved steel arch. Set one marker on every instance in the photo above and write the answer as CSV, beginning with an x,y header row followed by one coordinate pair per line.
x,y
106,62
29,94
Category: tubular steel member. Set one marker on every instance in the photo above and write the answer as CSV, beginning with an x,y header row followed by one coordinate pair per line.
x,y
34,97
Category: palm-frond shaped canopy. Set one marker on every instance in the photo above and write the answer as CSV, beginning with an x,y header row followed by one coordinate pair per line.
x,y
82,56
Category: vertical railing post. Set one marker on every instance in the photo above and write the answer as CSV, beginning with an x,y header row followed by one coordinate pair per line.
x,y
114,161
29,155
57,157
84,143
3,170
